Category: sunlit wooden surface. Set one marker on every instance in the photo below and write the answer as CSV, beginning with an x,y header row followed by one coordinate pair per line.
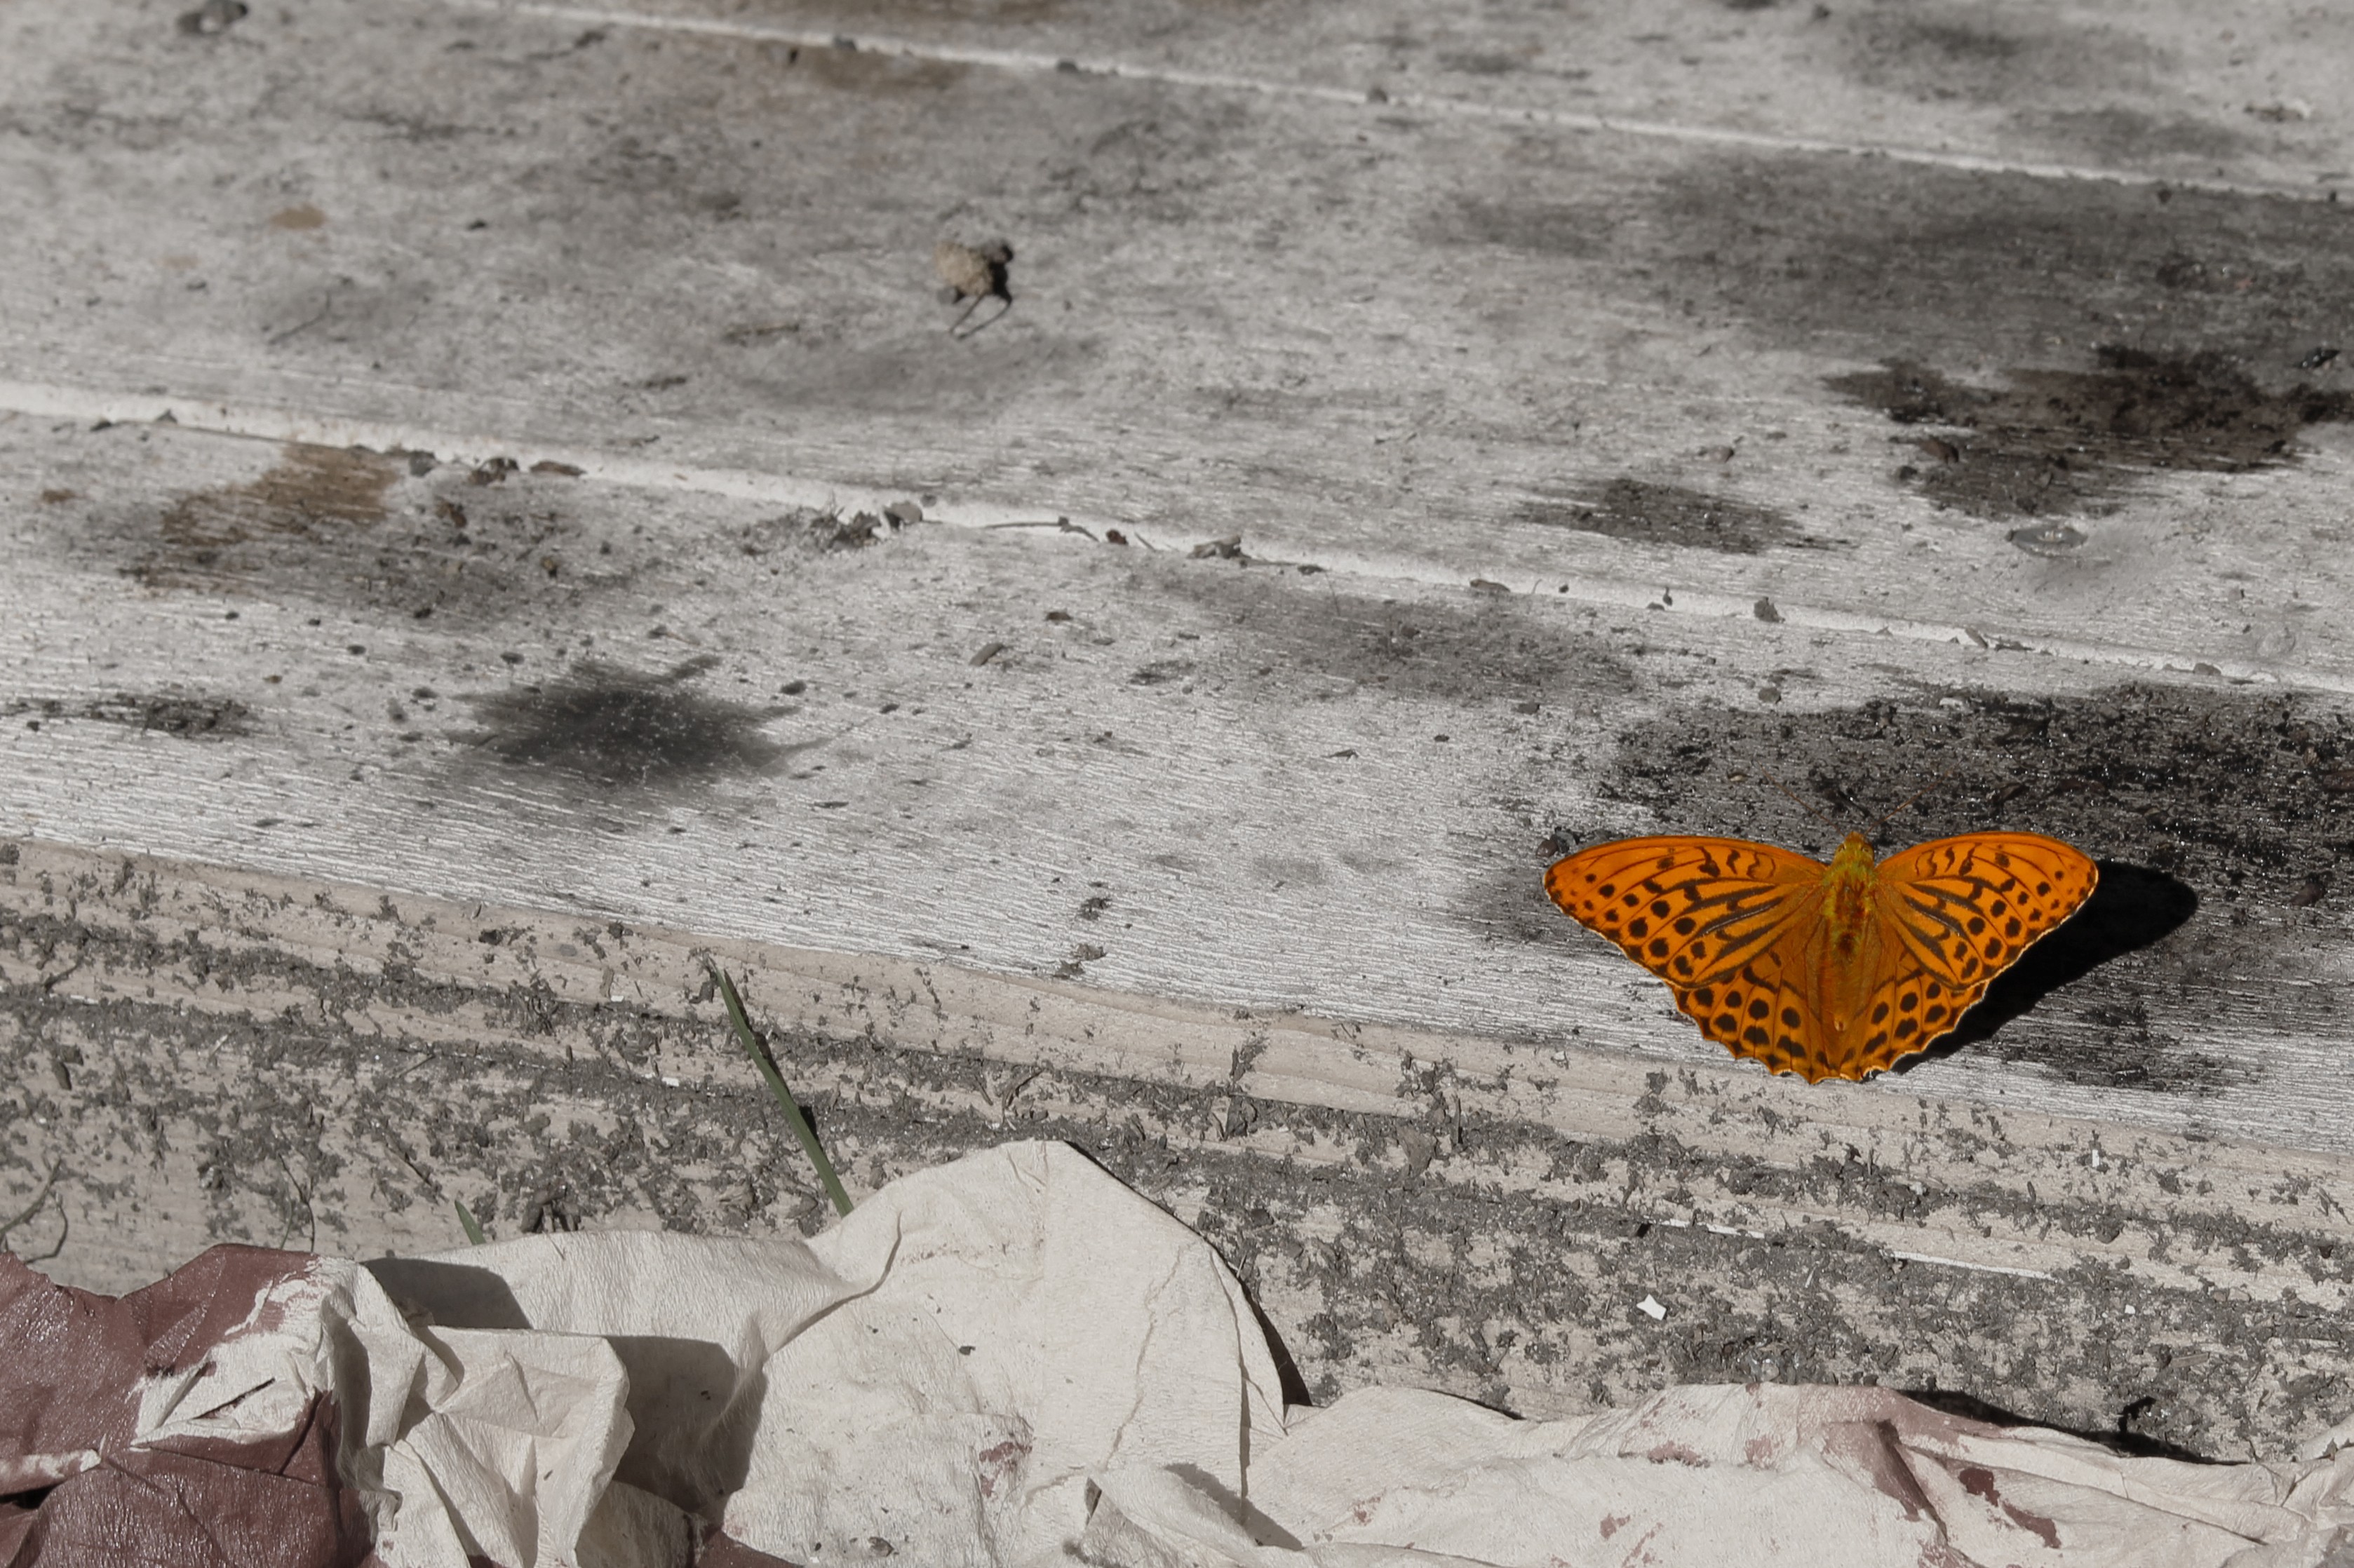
x,y
517,458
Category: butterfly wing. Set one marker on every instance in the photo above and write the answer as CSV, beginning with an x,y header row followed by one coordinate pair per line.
x,y
1953,914
1728,924
1968,907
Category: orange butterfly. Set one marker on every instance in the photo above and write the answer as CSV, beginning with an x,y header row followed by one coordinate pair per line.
x,y
1827,971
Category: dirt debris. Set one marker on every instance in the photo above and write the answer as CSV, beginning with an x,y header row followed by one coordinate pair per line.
x,y
1659,514
2066,440
1393,1253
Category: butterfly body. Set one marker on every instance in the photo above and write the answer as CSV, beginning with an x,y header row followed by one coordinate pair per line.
x,y
1848,884
1825,970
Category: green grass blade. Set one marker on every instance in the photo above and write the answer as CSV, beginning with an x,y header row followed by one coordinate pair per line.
x,y
473,1228
802,1130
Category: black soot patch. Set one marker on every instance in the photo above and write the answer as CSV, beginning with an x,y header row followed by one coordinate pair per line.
x,y
825,532
1943,52
188,715
618,727
2059,441
2217,818
1666,515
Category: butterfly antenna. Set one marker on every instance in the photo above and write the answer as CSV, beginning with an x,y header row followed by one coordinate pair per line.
x,y
1800,804
1940,780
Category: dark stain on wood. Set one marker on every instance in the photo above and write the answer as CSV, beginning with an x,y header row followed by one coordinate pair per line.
x,y
2222,788
1505,900
2063,441
1880,262
357,531
2123,137
613,727
1656,514
188,715
320,493
1939,52
1471,649
2207,809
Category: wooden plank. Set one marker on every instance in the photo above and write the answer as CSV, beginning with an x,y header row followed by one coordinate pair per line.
x,y
2176,93
1234,784
1447,1209
1523,350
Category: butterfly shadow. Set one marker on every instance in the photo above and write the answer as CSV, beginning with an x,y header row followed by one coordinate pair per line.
x,y
2131,907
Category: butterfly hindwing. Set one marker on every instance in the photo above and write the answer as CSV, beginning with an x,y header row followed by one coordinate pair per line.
x,y
1766,1009
1909,1009
1687,909
1967,908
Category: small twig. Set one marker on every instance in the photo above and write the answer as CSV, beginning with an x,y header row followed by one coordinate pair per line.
x,y
1061,524
1800,804
305,325
957,330
1016,1081
65,1221
303,1194
65,1229
49,1185
784,1096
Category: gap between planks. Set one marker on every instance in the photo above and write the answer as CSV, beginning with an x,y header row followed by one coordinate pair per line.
x,y
1030,61
255,422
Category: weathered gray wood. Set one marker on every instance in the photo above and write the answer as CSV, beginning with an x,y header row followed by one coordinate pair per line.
x,y
1405,1205
1225,782
2176,93
1198,836
1233,314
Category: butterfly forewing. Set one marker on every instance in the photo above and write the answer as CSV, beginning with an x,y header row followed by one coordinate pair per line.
x,y
1689,910
1968,907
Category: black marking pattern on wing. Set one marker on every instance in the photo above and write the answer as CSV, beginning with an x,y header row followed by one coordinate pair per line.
x,y
1717,918
1764,1011
1967,908
1687,909
1911,1009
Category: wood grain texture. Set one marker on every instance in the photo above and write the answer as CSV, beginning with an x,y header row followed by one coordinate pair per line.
x,y
1552,449
1419,342
1404,1204
1194,778
2190,95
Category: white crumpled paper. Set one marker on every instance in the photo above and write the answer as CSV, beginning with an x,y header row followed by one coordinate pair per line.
x,y
1014,1358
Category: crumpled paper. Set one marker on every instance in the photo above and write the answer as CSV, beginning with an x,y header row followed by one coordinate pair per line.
x,y
1007,1360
